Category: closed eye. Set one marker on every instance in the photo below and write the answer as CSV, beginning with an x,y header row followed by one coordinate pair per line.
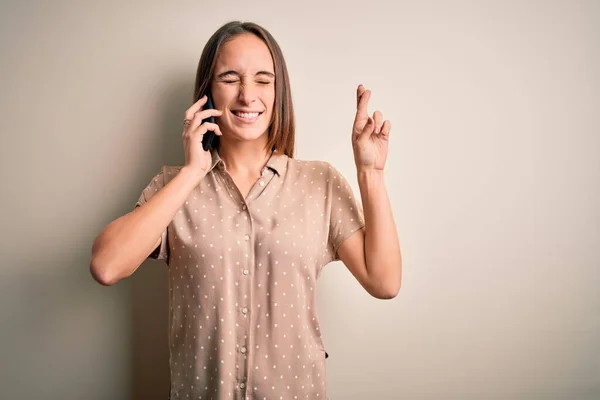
x,y
259,82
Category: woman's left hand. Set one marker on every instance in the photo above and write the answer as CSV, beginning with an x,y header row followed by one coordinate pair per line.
x,y
370,136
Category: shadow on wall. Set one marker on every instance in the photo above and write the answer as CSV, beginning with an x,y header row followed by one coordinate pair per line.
x,y
150,297
149,335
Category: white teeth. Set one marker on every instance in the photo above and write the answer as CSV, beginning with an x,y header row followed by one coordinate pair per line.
x,y
246,115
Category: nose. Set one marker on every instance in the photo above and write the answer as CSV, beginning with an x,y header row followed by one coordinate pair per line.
x,y
247,94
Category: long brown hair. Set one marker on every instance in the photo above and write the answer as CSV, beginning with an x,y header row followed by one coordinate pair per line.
x,y
281,134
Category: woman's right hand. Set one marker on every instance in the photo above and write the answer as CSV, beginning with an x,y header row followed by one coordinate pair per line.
x,y
197,159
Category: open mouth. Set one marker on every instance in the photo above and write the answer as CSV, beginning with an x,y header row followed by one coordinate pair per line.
x,y
247,116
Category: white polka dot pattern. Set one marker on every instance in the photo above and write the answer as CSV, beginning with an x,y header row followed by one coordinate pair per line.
x,y
243,275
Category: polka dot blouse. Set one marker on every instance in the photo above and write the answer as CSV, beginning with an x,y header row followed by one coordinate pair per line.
x,y
242,279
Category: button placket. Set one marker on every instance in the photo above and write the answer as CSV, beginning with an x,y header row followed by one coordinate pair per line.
x,y
245,333
246,272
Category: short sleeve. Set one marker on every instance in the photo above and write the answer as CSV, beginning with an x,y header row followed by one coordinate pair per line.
x,y
345,212
155,185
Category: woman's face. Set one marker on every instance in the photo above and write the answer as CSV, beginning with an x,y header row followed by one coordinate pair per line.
x,y
243,87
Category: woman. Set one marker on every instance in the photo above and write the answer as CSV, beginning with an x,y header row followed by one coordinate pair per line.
x,y
246,230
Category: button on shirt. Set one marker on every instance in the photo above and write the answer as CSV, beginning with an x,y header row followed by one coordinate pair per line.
x,y
243,277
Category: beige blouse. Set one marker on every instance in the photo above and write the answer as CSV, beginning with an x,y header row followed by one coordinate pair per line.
x,y
243,275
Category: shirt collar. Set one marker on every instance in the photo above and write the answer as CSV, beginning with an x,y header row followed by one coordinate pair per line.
x,y
277,162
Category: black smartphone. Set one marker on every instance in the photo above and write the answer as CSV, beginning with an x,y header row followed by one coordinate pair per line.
x,y
209,136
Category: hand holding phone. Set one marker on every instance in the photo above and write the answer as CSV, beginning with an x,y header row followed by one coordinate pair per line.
x,y
199,122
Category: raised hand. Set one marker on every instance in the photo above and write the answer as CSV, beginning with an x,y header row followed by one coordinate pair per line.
x,y
370,135
196,158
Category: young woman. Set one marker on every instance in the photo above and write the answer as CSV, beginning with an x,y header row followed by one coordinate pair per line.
x,y
246,229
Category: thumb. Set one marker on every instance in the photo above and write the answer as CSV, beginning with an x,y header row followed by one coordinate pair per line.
x,y
367,130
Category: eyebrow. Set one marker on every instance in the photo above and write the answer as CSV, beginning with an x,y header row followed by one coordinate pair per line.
x,y
232,72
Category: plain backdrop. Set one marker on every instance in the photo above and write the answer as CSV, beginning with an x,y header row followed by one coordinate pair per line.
x,y
493,174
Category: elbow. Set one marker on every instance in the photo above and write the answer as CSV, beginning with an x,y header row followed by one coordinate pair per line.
x,y
387,290
101,274
387,293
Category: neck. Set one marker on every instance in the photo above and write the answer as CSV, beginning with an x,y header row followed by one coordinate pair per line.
x,y
245,158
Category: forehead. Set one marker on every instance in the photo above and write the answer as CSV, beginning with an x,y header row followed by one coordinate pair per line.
x,y
245,53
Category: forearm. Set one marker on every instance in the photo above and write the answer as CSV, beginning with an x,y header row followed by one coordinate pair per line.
x,y
382,247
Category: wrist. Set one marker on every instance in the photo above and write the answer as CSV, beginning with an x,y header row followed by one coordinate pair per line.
x,y
369,181
369,174
192,174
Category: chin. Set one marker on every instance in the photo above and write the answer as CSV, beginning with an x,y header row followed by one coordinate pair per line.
x,y
249,133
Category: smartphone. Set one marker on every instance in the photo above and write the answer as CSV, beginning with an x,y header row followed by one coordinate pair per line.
x,y
209,136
